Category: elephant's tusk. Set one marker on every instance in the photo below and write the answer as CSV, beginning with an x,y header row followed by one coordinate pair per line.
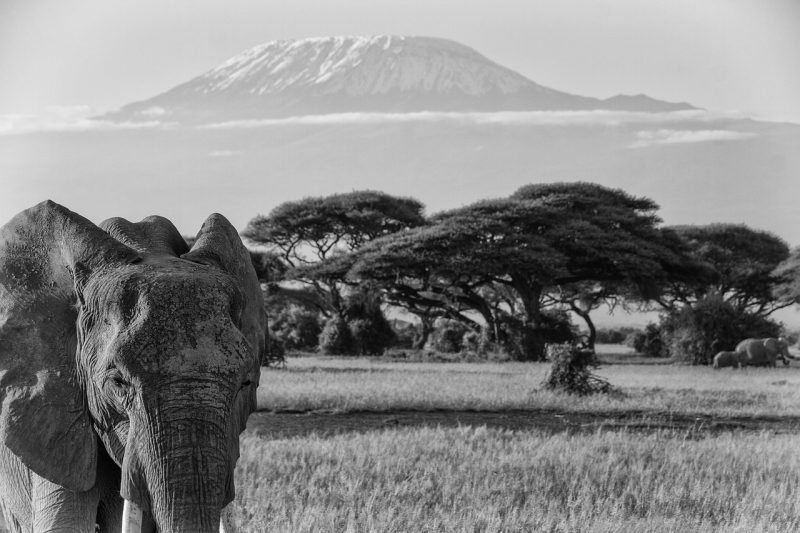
x,y
222,527
131,518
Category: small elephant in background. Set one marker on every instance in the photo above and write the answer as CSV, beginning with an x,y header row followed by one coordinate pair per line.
x,y
764,352
726,359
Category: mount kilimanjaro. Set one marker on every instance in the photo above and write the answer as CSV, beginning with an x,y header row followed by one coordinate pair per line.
x,y
348,118
384,74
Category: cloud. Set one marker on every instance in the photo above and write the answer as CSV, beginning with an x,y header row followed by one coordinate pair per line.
x,y
67,119
522,118
666,136
224,153
154,111
69,112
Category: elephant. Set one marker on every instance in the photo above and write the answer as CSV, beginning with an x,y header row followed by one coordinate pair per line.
x,y
764,352
128,367
725,359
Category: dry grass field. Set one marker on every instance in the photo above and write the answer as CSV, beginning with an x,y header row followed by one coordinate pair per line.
x,y
355,384
492,473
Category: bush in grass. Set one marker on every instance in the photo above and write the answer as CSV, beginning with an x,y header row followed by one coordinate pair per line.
x,y
647,342
476,342
405,333
371,332
696,333
372,336
571,371
337,339
614,335
297,328
447,335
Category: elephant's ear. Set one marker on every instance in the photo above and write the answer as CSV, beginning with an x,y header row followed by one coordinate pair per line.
x,y
43,418
219,245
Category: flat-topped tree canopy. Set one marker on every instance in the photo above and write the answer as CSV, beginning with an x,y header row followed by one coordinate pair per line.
x,y
535,242
743,262
313,228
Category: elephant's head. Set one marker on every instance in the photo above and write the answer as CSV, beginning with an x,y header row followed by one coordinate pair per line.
x,y
125,334
779,347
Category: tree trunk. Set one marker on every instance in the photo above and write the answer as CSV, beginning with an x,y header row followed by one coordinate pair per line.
x,y
426,327
590,341
533,336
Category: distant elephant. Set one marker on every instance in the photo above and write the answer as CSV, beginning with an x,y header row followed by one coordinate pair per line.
x,y
726,359
764,352
128,366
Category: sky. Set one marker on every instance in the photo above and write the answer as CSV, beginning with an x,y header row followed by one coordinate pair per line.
x,y
724,55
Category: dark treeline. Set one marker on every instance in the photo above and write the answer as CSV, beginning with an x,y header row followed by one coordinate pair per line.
x,y
512,274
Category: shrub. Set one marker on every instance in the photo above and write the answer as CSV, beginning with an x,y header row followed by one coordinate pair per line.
x,y
336,338
571,371
297,328
405,333
447,335
696,333
614,335
371,332
373,335
476,341
647,342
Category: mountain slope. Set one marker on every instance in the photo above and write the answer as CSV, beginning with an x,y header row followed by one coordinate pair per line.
x,y
363,74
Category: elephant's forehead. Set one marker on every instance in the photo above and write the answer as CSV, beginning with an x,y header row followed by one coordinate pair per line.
x,y
146,313
173,287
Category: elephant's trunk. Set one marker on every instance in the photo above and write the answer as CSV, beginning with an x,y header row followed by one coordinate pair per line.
x,y
178,467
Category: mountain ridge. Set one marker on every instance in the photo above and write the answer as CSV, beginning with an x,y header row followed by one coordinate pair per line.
x,y
384,73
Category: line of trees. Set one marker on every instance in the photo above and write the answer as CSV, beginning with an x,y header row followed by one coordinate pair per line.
x,y
513,271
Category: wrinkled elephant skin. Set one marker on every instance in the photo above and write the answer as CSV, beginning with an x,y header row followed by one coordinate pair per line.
x,y
764,352
728,359
128,366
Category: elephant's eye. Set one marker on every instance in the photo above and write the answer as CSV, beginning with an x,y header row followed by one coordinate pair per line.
x,y
246,383
118,386
119,383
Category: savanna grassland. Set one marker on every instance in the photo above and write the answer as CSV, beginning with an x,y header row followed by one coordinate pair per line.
x,y
678,448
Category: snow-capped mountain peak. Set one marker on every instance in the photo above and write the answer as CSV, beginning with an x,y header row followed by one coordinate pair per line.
x,y
359,66
384,73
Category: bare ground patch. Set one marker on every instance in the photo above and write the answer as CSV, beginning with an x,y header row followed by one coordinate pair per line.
x,y
287,424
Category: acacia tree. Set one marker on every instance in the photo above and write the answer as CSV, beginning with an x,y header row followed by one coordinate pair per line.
x,y
314,230
542,238
614,248
742,264
786,290
419,270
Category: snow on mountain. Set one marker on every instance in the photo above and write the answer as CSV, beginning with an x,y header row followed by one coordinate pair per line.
x,y
360,66
364,74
